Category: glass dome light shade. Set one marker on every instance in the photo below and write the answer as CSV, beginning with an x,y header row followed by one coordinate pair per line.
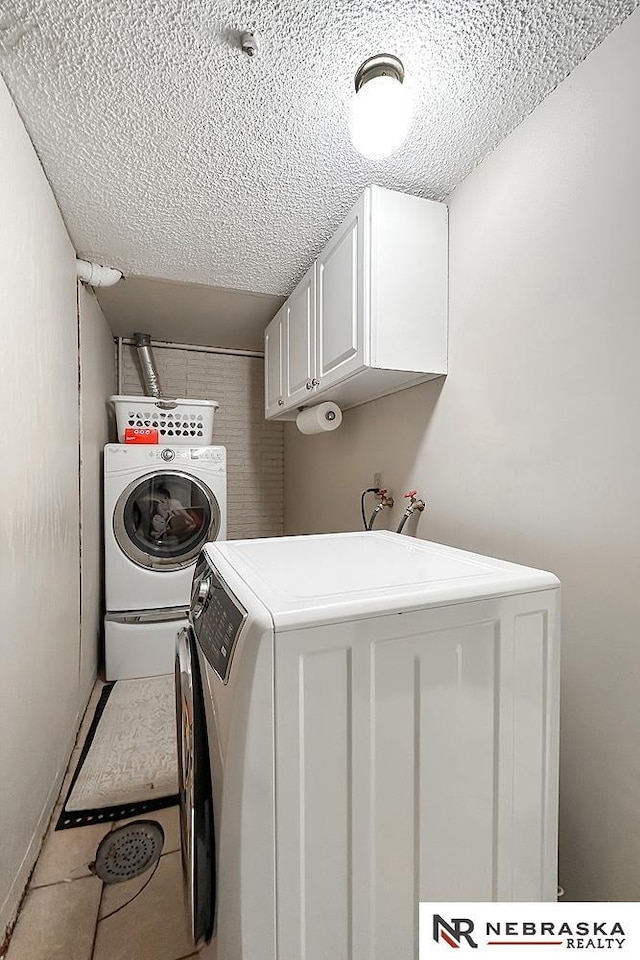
x,y
380,117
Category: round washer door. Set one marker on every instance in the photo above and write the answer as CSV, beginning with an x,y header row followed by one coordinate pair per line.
x,y
162,520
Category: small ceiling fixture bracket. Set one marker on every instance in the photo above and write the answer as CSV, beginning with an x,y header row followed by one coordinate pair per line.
x,y
382,65
249,43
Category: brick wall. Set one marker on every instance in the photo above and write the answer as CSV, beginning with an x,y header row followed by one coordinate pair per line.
x,y
255,448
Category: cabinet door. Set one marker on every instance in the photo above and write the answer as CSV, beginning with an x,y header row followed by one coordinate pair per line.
x,y
274,365
299,340
342,288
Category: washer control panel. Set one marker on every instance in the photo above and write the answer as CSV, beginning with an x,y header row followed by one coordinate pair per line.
x,y
205,453
208,454
217,618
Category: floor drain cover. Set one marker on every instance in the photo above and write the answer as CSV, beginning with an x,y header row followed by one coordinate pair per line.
x,y
128,851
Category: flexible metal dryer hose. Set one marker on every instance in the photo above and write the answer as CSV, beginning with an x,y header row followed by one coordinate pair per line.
x,y
147,365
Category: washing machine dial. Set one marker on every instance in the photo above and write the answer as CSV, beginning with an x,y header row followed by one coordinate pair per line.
x,y
200,597
167,455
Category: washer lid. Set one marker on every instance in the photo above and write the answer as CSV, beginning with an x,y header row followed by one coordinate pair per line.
x,y
337,576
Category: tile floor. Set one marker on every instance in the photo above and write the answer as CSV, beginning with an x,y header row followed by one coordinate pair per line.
x,y
66,914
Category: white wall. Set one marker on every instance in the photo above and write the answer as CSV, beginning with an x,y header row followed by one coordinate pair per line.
x,y
40,692
97,383
530,449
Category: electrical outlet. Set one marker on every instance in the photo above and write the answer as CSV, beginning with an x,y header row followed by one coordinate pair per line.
x,y
377,480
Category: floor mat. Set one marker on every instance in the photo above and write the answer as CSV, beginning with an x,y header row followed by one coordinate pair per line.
x,y
128,765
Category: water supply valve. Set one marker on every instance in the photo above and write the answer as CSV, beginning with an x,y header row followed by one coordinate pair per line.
x,y
413,506
383,496
414,503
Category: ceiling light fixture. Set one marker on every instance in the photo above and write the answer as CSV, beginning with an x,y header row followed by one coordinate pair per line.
x,y
381,111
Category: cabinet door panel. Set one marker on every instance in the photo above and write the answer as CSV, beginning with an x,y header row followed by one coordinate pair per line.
x,y
273,367
341,309
300,339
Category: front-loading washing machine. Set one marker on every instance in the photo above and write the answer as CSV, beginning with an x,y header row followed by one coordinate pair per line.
x,y
161,505
365,721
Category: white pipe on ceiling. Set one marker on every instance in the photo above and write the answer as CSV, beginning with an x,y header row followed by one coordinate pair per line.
x,y
198,348
96,275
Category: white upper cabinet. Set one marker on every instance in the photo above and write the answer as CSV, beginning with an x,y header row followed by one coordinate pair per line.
x,y
340,339
274,365
370,316
299,340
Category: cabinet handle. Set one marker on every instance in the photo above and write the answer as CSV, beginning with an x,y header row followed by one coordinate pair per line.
x,y
309,384
315,383
281,402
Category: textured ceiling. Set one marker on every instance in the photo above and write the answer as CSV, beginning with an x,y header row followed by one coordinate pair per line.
x,y
172,154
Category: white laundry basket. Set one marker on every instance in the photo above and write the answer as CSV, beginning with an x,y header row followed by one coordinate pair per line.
x,y
177,421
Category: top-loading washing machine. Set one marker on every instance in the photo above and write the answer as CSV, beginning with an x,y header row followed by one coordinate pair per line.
x,y
365,721
161,504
